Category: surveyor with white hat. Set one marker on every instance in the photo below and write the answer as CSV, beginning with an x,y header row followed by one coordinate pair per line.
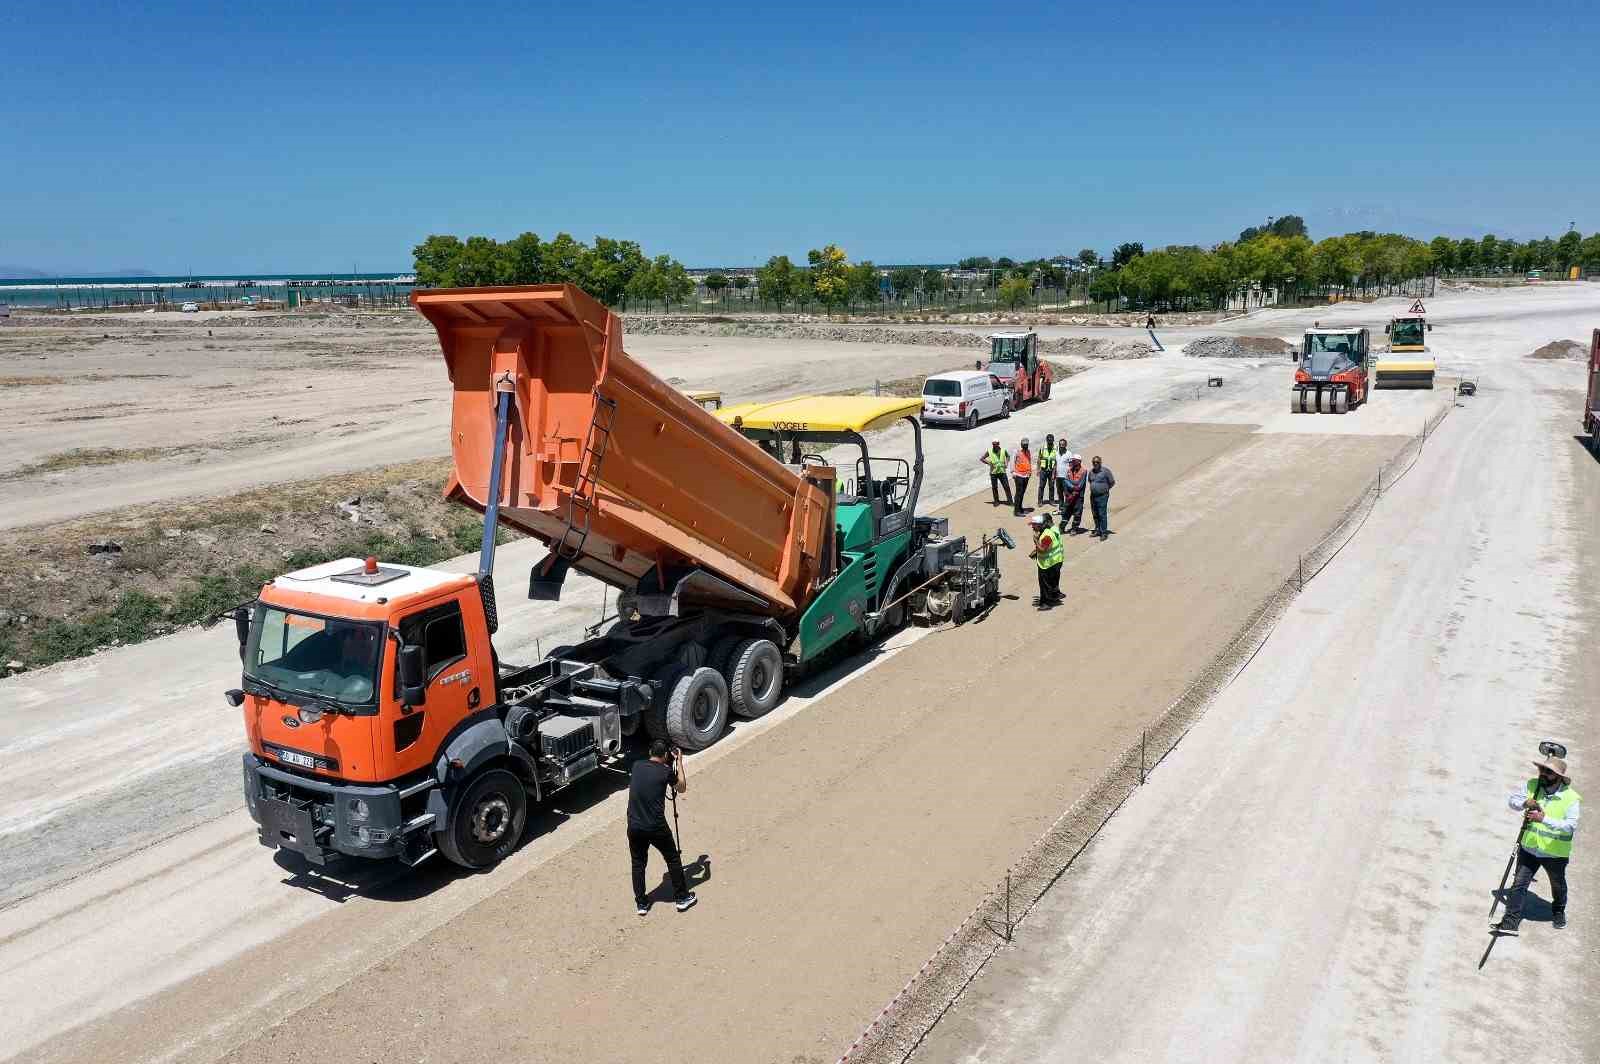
x,y
1047,552
1549,808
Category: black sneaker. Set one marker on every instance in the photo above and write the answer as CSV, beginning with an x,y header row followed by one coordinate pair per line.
x,y
686,902
642,908
1558,921
1504,927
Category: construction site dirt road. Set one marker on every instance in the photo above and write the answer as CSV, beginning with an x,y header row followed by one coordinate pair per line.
x,y
1307,877
872,813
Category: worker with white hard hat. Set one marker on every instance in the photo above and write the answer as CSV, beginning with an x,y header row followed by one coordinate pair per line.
x,y
1549,808
1048,554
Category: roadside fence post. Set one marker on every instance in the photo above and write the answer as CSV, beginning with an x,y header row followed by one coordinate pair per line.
x,y
1144,737
1008,905
1302,572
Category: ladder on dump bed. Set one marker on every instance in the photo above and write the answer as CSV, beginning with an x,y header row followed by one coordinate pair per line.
x,y
581,503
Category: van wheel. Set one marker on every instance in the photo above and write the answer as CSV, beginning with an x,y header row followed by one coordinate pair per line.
x,y
697,712
486,821
1044,394
757,682
972,421
1005,408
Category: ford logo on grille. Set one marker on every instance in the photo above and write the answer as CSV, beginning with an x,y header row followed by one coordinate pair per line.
x,y
290,721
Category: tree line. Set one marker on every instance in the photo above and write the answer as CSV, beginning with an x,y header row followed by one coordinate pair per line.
x,y
616,272
1274,260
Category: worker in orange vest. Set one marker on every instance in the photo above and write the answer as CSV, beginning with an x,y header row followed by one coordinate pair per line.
x,y
1021,470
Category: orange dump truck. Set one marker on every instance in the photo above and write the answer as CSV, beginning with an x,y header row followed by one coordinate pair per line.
x,y
382,721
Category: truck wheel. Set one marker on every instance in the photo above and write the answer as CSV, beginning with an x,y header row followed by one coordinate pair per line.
x,y
655,715
697,712
721,657
757,681
486,821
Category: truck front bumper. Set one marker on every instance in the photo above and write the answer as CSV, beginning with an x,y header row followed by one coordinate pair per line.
x,y
320,819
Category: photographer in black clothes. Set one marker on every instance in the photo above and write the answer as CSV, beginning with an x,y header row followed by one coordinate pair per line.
x,y
647,820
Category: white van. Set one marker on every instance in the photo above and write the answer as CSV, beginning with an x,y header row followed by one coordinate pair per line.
x,y
964,398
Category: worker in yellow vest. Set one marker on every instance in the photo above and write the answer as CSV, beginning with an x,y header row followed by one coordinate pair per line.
x,y
1049,554
1047,471
1021,470
998,459
1549,809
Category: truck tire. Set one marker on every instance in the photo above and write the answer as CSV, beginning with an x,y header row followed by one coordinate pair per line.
x,y
664,682
756,684
486,820
721,656
697,711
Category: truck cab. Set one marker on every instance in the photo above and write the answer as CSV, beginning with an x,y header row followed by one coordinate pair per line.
x,y
340,731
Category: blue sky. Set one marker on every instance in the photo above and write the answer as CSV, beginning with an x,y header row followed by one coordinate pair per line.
x,y
317,136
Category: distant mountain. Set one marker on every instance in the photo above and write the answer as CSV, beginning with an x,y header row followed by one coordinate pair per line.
x,y
28,273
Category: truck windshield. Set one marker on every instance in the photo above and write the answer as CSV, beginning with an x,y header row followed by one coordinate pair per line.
x,y
1406,332
941,388
319,657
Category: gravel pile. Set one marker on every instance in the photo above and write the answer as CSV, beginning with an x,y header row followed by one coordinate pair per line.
x,y
1237,347
1558,349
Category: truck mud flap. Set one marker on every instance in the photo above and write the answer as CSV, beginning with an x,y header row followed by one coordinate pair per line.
x,y
289,826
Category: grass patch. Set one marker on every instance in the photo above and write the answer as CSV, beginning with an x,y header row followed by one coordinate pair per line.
x,y
82,457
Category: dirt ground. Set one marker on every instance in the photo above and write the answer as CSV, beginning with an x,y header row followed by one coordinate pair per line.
x,y
1308,876
140,919
807,846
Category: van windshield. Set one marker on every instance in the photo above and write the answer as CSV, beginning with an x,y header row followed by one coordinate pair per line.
x,y
315,657
937,387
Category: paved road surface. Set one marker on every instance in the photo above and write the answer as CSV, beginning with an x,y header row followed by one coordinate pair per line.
x,y
1307,877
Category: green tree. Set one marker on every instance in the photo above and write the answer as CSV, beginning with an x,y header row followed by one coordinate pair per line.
x,y
1015,290
715,283
676,285
866,284
605,269
1106,286
776,280
830,275
481,263
436,262
741,282
562,260
977,262
522,259
1126,253
1444,253
1567,249
933,282
1088,258
905,280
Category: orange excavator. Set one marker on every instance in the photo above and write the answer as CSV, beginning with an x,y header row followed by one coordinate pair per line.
x,y
383,722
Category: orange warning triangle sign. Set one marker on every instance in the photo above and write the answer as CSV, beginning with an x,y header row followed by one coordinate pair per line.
x,y
1417,308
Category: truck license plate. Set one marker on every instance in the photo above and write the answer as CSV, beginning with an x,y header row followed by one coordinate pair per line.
x,y
294,757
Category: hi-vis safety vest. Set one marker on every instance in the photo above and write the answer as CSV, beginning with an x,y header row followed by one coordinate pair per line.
x,y
1541,838
1024,464
997,461
1047,460
1050,550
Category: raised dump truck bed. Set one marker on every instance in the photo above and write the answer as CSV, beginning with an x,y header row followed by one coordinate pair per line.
x,y
624,477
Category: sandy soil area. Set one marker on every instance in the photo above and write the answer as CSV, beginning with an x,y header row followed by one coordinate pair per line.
x,y
808,845
143,902
1307,877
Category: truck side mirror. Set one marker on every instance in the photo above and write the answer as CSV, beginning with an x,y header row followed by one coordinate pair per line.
x,y
241,628
413,689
